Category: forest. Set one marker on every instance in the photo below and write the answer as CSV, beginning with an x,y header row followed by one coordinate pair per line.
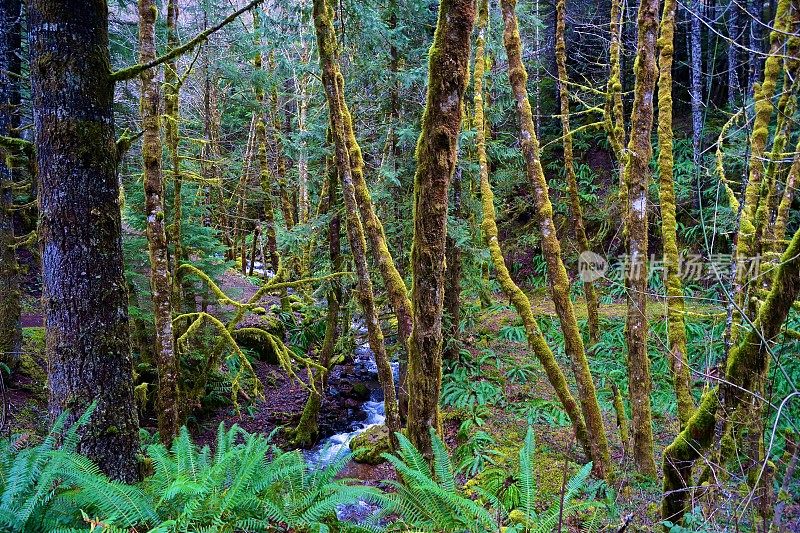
x,y
323,266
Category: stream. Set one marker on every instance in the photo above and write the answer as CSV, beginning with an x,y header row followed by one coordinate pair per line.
x,y
332,448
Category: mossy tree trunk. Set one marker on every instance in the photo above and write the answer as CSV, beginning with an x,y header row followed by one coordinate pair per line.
x,y
518,298
676,328
84,293
395,286
10,69
551,247
614,116
637,179
166,359
762,96
436,161
589,290
747,363
334,90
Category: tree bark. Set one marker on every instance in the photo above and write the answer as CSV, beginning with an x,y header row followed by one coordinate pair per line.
x,y
436,162
696,84
734,36
85,301
637,178
168,395
551,247
10,69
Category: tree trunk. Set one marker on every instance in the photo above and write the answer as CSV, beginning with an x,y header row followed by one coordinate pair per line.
x,y
551,247
307,430
734,36
436,162
85,301
754,45
518,298
168,396
10,69
334,89
569,169
696,84
676,328
637,178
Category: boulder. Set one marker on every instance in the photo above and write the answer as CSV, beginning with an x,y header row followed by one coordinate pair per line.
x,y
368,446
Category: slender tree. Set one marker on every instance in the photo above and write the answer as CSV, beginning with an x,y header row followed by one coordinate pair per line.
x,y
569,167
637,179
676,327
551,247
333,83
168,396
84,294
10,69
518,298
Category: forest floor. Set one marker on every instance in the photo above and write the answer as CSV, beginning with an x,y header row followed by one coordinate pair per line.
x,y
490,355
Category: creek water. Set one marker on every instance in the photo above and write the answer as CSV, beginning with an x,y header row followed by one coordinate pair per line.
x,y
372,410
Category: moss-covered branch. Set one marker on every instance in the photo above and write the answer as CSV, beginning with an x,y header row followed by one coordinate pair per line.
x,y
131,72
748,362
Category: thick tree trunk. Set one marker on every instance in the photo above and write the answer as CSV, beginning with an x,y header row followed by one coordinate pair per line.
x,y
85,301
569,168
436,162
676,328
334,89
551,247
168,396
637,178
10,69
518,298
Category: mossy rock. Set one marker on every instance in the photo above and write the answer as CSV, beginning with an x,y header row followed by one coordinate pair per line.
x,y
360,391
368,446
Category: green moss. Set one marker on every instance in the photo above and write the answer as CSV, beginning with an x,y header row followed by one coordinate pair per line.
x,y
369,446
